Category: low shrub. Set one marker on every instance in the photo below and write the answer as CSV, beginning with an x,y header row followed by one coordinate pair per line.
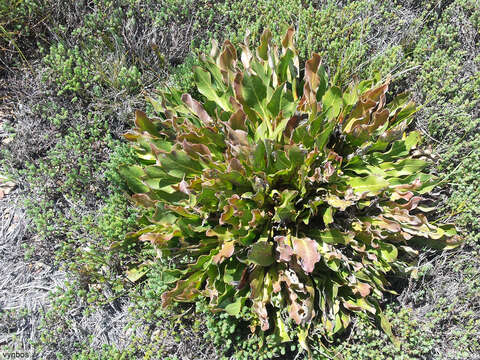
x,y
20,27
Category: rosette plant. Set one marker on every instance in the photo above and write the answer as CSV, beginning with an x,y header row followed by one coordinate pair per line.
x,y
280,192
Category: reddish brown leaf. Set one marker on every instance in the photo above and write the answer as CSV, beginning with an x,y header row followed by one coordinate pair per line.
x,y
351,306
401,195
379,119
287,42
412,204
244,278
238,87
291,125
403,216
237,120
228,55
227,213
236,165
143,200
238,137
377,93
387,224
311,69
257,216
285,251
196,150
306,250
185,290
413,186
363,289
196,108
225,252
156,238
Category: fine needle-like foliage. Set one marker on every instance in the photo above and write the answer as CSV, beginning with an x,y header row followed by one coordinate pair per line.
x,y
281,192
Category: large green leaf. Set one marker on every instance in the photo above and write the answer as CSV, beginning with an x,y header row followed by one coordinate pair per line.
x,y
254,93
281,101
132,175
185,290
203,81
285,211
179,164
330,236
144,123
261,253
371,184
333,101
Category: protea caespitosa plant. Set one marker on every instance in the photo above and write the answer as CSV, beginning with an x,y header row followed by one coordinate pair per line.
x,y
282,192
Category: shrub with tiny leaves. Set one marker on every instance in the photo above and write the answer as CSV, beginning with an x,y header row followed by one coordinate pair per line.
x,y
281,192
